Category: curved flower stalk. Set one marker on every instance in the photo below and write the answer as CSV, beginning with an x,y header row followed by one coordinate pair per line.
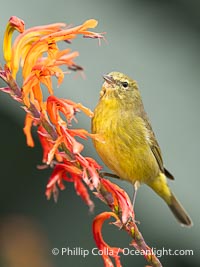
x,y
36,52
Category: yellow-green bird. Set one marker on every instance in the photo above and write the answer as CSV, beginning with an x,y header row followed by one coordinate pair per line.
x,y
129,146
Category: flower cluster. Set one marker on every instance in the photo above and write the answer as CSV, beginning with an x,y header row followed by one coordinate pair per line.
x,y
36,52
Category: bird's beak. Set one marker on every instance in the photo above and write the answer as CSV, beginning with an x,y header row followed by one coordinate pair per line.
x,y
108,79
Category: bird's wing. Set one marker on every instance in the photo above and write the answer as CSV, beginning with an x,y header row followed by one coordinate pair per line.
x,y
156,149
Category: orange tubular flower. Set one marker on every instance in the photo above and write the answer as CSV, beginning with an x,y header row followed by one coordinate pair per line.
x,y
57,177
56,105
65,136
14,24
67,107
90,168
105,249
67,171
120,201
48,145
82,191
27,129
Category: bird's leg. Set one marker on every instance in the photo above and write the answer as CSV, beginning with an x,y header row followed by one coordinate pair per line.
x,y
109,175
136,186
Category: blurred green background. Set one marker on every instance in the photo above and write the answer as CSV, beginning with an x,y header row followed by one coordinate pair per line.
x,y
155,42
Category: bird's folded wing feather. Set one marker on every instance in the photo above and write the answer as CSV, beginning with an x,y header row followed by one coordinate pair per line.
x,y
156,149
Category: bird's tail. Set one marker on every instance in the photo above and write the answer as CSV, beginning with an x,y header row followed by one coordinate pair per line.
x,y
179,212
159,185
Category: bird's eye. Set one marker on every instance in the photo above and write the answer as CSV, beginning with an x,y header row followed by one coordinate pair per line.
x,y
125,84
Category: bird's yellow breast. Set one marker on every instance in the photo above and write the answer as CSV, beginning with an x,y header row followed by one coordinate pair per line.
x,y
125,149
